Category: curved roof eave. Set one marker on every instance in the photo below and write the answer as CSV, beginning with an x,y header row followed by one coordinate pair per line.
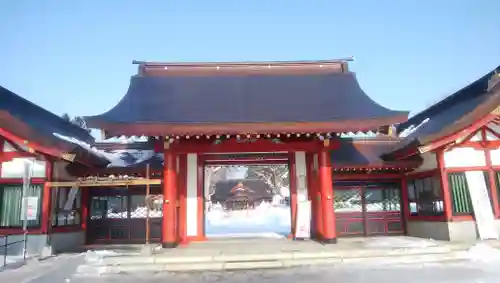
x,y
244,99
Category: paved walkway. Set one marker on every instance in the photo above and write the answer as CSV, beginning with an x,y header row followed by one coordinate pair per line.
x,y
464,272
245,254
234,254
270,246
46,271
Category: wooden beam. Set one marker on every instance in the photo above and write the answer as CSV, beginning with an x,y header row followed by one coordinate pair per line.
x,y
459,136
31,145
137,182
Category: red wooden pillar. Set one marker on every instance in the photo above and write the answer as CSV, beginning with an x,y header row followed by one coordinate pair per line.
x,y
405,202
315,196
443,177
326,190
169,235
293,193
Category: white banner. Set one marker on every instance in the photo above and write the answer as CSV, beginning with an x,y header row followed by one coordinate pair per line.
x,y
485,220
303,222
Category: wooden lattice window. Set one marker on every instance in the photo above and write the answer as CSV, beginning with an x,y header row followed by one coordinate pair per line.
x,y
462,203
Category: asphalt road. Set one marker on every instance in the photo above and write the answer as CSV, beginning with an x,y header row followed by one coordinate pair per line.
x,y
457,272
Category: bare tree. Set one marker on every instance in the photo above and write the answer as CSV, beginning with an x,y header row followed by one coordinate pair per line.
x,y
211,177
275,175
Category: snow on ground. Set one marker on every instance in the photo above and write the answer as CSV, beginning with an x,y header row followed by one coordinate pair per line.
x,y
11,259
398,242
484,253
96,256
265,219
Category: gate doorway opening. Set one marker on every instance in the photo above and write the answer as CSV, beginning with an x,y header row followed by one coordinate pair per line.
x,y
247,200
368,209
118,215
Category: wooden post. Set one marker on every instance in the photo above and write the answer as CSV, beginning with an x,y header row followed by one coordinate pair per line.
x,y
169,236
443,175
147,200
326,189
405,211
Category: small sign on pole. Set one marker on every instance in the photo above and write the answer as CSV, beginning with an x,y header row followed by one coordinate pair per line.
x,y
30,208
29,205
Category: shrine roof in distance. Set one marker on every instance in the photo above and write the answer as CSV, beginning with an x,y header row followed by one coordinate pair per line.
x,y
240,98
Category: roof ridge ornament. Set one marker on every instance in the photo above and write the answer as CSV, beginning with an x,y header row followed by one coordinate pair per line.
x,y
493,81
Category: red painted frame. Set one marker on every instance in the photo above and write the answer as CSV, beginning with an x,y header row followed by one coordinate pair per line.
x,y
486,146
345,218
8,156
204,146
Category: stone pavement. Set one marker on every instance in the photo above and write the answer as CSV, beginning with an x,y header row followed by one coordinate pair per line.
x,y
59,267
454,272
247,260
237,254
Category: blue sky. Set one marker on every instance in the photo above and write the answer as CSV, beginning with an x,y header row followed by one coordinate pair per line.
x,y
75,56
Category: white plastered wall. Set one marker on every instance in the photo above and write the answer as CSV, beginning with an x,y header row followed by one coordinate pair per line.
x,y
192,195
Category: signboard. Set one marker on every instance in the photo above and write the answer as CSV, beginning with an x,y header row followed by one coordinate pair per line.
x,y
303,222
31,208
485,220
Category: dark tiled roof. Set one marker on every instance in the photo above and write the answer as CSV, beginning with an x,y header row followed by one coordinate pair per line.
x,y
366,152
450,115
38,118
471,91
320,97
31,122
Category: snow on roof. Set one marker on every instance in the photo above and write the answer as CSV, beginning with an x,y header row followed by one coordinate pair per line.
x,y
130,157
125,139
358,134
412,128
78,142
118,158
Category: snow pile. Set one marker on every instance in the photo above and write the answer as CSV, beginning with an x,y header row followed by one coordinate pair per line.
x,y
79,142
484,253
138,212
92,256
11,259
411,129
399,242
117,158
368,134
125,139
123,158
265,218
